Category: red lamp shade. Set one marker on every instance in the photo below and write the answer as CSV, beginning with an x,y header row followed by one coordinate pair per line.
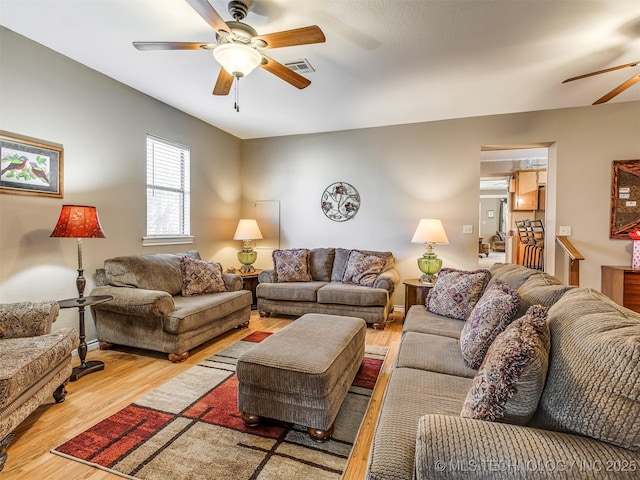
x,y
78,221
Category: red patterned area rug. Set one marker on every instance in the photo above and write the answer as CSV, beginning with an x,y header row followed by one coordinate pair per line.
x,y
190,428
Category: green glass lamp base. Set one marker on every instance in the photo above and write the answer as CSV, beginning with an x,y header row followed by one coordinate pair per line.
x,y
429,264
247,258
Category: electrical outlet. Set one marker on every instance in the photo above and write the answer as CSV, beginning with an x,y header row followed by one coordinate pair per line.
x,y
566,231
467,228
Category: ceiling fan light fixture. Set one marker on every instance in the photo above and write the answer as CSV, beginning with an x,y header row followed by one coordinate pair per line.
x,y
239,60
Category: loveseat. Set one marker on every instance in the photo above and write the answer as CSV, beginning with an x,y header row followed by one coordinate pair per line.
x,y
35,364
571,413
335,281
167,302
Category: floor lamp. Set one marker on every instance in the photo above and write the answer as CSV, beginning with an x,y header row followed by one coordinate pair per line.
x,y
80,221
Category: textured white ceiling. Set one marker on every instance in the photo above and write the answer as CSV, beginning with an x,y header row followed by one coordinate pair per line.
x,y
385,62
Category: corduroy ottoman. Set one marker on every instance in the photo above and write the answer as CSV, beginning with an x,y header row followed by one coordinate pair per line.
x,y
301,374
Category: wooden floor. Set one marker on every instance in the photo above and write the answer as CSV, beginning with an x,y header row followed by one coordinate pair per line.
x,y
131,373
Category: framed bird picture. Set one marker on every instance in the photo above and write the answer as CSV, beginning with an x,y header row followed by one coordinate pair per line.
x,y
30,167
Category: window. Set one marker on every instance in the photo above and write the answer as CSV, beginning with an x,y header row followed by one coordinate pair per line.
x,y
168,192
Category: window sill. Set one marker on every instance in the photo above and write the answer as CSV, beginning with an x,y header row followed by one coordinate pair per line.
x,y
167,240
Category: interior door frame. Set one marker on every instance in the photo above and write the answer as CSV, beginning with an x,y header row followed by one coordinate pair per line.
x,y
550,191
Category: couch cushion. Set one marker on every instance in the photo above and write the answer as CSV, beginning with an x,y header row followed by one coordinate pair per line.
x,y
345,294
434,353
363,269
199,277
321,263
410,394
593,383
291,291
494,311
193,312
456,292
421,320
26,360
509,382
540,289
157,271
291,265
511,274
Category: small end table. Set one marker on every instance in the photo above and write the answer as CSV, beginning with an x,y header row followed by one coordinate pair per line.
x,y
80,303
250,282
415,293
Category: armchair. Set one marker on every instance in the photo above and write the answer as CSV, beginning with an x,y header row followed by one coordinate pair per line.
x,y
498,241
34,363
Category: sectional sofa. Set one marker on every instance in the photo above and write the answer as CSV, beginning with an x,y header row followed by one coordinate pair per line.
x,y
334,281
573,412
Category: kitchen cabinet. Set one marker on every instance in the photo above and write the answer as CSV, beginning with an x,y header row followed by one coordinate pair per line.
x,y
527,185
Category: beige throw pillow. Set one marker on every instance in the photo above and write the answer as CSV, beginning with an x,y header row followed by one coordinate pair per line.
x,y
292,265
363,269
200,277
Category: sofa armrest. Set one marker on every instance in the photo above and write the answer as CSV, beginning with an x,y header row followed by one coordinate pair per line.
x,y
27,319
449,446
267,276
135,301
232,281
388,280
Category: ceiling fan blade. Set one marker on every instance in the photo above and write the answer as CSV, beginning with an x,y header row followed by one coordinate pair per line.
x,y
170,45
290,38
279,70
612,69
223,83
618,90
208,13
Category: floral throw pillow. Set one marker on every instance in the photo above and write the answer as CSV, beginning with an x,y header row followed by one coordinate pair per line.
x,y
292,265
199,277
495,310
510,380
456,292
363,269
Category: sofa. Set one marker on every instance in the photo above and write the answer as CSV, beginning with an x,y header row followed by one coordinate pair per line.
x,y
334,281
573,413
35,364
166,302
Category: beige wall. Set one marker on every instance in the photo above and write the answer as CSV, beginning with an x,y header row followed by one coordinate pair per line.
x,y
432,169
102,126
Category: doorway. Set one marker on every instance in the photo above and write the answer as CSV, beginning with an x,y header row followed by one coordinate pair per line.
x,y
513,196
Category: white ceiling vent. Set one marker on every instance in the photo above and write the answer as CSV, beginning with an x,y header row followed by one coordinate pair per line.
x,y
300,66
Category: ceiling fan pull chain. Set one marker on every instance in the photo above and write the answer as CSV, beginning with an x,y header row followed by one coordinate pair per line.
x,y
236,103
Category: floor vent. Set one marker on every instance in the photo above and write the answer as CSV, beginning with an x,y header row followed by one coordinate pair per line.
x,y
300,66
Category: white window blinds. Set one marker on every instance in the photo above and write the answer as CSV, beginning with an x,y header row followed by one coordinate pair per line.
x,y
168,188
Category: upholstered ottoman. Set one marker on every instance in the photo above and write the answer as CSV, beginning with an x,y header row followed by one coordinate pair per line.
x,y
301,374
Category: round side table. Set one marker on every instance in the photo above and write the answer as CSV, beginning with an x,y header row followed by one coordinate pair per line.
x,y
80,303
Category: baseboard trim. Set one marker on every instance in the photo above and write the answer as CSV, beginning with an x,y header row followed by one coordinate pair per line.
x,y
91,345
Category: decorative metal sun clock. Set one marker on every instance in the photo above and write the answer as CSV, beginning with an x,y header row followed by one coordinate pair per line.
x,y
340,202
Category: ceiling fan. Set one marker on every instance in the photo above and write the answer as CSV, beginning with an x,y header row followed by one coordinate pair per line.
x,y
238,44
616,91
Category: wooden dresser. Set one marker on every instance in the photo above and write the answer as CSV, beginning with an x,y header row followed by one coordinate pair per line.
x,y
622,285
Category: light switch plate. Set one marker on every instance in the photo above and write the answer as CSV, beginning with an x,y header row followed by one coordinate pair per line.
x,y
467,228
564,230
